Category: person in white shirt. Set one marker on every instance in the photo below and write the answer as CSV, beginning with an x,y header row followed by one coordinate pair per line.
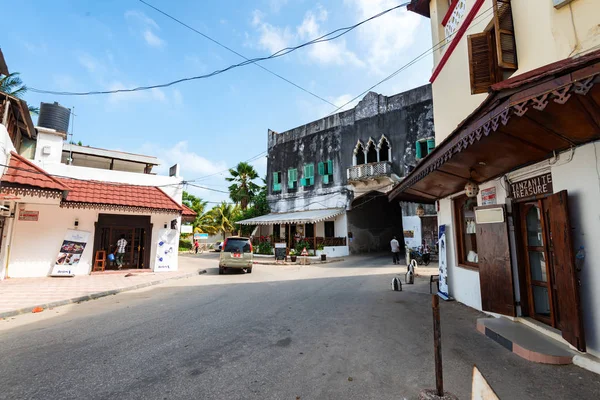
x,y
395,250
120,251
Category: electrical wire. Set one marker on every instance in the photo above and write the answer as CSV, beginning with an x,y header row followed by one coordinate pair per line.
x,y
435,47
324,38
235,52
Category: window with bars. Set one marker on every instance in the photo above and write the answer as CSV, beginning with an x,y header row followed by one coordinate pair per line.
x,y
326,171
493,53
308,178
292,178
276,181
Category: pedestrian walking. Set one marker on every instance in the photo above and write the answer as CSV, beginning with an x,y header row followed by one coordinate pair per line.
x,y
196,245
395,250
120,251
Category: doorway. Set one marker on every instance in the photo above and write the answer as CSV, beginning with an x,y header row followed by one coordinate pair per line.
x,y
137,231
538,271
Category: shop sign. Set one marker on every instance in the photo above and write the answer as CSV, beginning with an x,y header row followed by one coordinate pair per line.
x,y
27,215
538,185
187,229
409,234
70,252
488,196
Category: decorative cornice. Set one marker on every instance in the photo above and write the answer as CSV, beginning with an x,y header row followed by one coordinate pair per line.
x,y
114,207
34,192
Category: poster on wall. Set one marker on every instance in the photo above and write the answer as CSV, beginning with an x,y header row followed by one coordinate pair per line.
x,y
70,252
488,196
443,266
166,250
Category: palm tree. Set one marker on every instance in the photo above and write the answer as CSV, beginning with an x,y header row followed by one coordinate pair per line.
x,y
243,189
13,85
223,216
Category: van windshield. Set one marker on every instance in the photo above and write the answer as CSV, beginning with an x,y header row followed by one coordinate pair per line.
x,y
237,246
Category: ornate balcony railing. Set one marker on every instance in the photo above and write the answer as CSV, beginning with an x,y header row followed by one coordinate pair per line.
x,y
369,171
457,11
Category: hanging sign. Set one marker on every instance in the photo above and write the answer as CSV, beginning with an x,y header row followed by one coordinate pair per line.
x,y
187,229
538,185
70,252
166,250
280,251
27,215
488,196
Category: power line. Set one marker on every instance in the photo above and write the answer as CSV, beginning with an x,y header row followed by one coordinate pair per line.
x,y
324,38
235,52
206,188
410,63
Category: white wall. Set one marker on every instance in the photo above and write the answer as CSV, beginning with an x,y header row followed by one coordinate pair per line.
x,y
35,244
51,140
412,223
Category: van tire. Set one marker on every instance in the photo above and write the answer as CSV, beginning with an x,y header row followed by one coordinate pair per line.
x,y
221,270
248,270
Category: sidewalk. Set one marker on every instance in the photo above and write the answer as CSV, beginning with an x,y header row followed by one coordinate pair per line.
x,y
22,295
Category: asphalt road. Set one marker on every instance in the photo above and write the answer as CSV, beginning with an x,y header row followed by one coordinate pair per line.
x,y
331,332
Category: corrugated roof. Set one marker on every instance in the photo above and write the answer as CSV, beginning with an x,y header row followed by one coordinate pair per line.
x,y
21,171
119,195
298,217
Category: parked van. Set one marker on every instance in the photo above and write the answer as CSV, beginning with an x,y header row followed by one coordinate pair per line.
x,y
236,253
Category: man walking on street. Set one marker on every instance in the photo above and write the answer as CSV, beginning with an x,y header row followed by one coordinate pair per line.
x,y
120,251
395,250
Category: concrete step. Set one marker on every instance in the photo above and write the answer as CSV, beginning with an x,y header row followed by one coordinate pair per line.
x,y
526,342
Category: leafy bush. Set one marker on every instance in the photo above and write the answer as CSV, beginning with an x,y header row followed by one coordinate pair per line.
x,y
264,248
185,244
301,245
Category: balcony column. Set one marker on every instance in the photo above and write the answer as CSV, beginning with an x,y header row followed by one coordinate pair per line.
x,y
378,157
389,154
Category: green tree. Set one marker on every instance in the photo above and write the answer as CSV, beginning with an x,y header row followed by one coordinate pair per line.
x,y
243,189
223,217
13,85
258,207
204,220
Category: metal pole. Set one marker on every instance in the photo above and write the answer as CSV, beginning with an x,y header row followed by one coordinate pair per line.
x,y
437,345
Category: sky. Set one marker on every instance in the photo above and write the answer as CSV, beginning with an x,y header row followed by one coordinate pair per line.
x,y
206,125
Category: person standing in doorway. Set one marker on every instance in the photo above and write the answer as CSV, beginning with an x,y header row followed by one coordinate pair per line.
x,y
120,251
395,250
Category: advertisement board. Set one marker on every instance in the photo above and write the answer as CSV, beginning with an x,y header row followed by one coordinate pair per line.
x,y
70,252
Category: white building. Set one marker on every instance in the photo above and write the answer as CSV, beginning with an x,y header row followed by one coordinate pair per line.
x,y
68,206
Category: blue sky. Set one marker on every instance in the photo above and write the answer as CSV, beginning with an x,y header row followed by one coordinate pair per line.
x,y
206,125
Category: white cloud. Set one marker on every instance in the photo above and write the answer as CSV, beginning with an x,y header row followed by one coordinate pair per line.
x,y
177,97
147,28
34,48
152,39
274,38
88,62
276,5
384,40
192,164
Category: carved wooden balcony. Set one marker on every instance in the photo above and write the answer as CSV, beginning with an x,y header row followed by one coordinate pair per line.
x,y
373,171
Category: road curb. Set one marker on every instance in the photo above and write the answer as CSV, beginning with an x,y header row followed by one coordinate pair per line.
x,y
94,296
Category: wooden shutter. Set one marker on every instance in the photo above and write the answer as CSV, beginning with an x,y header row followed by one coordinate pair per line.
x,y
495,269
481,62
562,258
321,168
506,48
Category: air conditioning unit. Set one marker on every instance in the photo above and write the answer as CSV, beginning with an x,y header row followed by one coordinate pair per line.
x,y
5,209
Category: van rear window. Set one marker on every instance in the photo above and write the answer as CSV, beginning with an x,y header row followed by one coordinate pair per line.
x,y
237,246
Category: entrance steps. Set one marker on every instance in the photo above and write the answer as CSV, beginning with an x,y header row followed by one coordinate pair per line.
x,y
525,341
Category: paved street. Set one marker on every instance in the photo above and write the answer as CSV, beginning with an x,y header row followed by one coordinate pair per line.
x,y
335,331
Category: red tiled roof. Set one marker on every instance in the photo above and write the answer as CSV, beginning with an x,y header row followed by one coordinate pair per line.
x,y
188,212
118,195
21,171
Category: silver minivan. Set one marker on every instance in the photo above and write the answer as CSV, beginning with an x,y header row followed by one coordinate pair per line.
x,y
236,253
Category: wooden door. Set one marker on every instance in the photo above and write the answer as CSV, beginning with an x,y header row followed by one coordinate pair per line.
x,y
495,269
562,259
538,273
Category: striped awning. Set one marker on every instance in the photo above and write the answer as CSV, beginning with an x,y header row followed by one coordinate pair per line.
x,y
298,217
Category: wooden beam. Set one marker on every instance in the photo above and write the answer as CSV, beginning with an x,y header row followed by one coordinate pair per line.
x,y
423,193
451,174
548,130
590,108
523,141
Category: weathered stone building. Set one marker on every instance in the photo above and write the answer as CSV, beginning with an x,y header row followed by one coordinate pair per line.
x,y
345,163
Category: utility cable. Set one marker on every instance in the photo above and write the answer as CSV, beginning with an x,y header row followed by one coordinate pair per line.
x,y
235,52
324,38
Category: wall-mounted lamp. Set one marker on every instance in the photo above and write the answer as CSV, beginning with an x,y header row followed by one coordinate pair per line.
x,y
76,223
471,188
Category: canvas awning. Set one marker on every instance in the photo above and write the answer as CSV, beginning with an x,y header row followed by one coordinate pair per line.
x,y
298,217
524,120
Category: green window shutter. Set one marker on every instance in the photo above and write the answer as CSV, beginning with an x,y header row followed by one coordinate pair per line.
x,y
330,167
418,154
275,178
325,179
321,168
311,170
292,175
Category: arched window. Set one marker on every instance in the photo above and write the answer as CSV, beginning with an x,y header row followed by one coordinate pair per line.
x,y
385,150
359,154
371,152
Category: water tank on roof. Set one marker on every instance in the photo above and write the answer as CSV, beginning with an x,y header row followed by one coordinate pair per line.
x,y
54,116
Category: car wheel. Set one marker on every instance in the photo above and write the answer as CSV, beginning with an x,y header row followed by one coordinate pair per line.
x,y
221,270
249,270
